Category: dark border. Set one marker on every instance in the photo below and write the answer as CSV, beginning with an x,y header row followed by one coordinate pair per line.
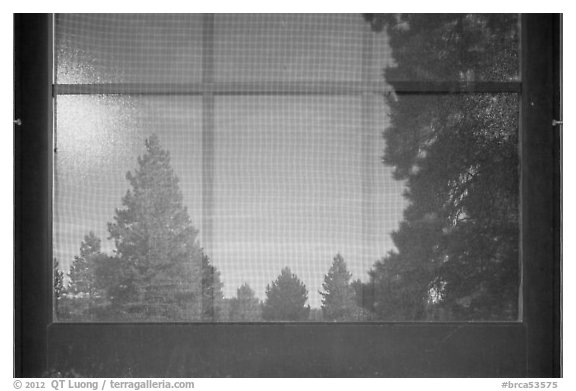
x,y
540,195
32,197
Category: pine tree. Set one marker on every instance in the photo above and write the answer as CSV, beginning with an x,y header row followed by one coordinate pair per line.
x,y
212,296
83,295
110,282
58,280
338,298
81,274
58,286
245,307
286,298
156,248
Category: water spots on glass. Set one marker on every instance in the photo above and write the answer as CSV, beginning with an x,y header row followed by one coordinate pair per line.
x,y
128,48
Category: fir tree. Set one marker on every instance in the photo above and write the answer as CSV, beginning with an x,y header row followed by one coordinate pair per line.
x,y
81,274
83,295
245,307
338,298
286,298
58,286
58,280
156,248
212,296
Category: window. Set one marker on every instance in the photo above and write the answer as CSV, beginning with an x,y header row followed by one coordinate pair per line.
x,y
263,173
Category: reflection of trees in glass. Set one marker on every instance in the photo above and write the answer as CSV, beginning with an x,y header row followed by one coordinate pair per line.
x,y
457,248
286,298
245,307
440,47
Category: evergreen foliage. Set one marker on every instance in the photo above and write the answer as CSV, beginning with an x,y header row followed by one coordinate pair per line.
x,y
81,273
82,297
457,247
338,297
58,286
286,298
212,296
159,263
245,307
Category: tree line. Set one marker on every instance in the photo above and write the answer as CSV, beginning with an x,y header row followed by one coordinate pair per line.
x,y
158,271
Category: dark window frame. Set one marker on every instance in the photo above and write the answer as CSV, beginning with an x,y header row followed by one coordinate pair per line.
x,y
530,347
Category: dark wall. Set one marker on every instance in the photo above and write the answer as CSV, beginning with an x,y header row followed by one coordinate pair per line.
x,y
32,184
289,350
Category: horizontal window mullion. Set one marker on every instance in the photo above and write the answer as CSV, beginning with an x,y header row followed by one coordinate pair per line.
x,y
455,87
288,88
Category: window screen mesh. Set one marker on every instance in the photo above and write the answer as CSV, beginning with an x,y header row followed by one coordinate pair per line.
x,y
288,47
297,181
270,168
128,48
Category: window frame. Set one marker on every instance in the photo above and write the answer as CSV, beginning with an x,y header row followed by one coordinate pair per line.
x,y
528,348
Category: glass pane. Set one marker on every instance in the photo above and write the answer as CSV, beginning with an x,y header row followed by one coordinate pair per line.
x,y
447,47
299,183
391,47
105,273
288,47
292,208
128,48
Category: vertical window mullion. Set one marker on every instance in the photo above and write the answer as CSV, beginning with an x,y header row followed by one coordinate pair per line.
x,y
367,111
208,124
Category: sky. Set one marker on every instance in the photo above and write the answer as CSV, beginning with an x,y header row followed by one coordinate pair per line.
x,y
297,179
